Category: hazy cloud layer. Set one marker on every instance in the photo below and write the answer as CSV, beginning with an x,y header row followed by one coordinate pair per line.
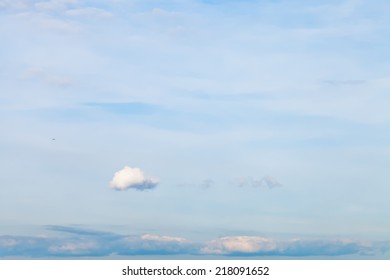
x,y
79,242
132,178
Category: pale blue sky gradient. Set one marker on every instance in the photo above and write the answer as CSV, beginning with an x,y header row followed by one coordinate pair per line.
x,y
196,93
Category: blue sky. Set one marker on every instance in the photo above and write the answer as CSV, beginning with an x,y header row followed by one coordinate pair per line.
x,y
253,123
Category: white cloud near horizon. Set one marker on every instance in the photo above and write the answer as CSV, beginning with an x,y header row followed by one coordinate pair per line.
x,y
132,178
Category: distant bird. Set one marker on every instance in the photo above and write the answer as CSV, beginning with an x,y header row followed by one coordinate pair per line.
x,y
53,139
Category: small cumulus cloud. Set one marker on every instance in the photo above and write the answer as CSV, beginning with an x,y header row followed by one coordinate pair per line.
x,y
132,178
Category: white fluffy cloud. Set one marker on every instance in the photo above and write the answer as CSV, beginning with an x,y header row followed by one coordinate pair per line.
x,y
132,178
